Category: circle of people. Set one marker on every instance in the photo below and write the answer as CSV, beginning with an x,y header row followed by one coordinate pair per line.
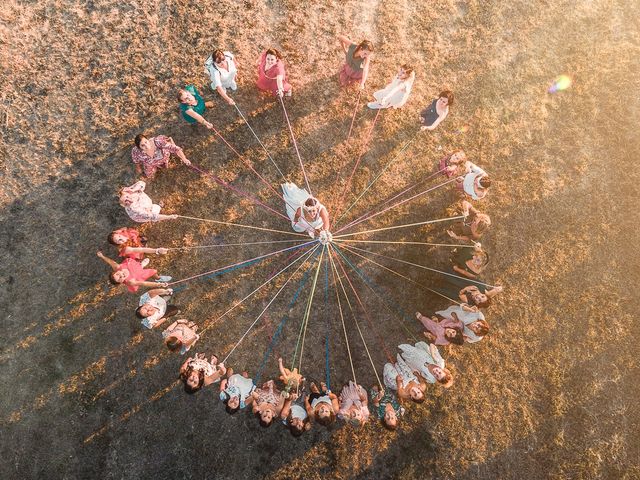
x,y
406,379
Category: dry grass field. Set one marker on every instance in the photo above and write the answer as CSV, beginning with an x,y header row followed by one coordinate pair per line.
x,y
551,393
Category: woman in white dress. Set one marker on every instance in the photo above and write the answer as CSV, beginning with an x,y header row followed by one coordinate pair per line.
x,y
222,69
397,92
401,378
139,205
307,214
426,360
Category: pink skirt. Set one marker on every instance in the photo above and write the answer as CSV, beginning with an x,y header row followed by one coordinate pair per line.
x,y
347,75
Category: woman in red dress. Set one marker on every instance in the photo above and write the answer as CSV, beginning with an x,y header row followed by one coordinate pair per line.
x,y
271,73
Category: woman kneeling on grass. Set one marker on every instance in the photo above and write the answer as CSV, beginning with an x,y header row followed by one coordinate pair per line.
x,y
133,274
357,61
437,111
454,164
197,372
396,94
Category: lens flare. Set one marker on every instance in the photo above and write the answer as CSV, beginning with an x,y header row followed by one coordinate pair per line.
x,y
560,83
463,129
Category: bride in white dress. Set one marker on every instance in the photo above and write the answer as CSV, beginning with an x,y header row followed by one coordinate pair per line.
x,y
397,92
307,214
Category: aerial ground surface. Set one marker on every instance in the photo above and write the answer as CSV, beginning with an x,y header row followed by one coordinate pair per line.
x,y
552,392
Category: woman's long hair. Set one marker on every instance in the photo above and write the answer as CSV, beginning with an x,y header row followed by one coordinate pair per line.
x,y
363,45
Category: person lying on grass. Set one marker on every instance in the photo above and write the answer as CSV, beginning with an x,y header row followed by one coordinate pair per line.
x,y
475,327
236,390
267,403
473,225
400,377
139,205
322,404
426,361
354,404
181,335
442,331
469,262
294,416
131,244
197,372
153,309
386,407
133,274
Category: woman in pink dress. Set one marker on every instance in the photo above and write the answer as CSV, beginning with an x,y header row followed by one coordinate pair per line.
x,y
131,244
133,274
271,73
354,404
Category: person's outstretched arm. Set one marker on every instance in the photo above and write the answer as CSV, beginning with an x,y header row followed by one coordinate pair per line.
x,y
345,42
114,266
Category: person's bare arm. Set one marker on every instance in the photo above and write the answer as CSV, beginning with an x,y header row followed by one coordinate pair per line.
x,y
463,272
162,216
345,42
199,118
157,251
297,215
280,84
223,93
159,322
114,266
208,380
286,408
307,407
324,215
283,371
494,291
183,367
140,283
160,291
180,153
365,70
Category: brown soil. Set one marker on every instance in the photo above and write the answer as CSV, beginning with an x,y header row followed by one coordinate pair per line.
x,y
550,393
